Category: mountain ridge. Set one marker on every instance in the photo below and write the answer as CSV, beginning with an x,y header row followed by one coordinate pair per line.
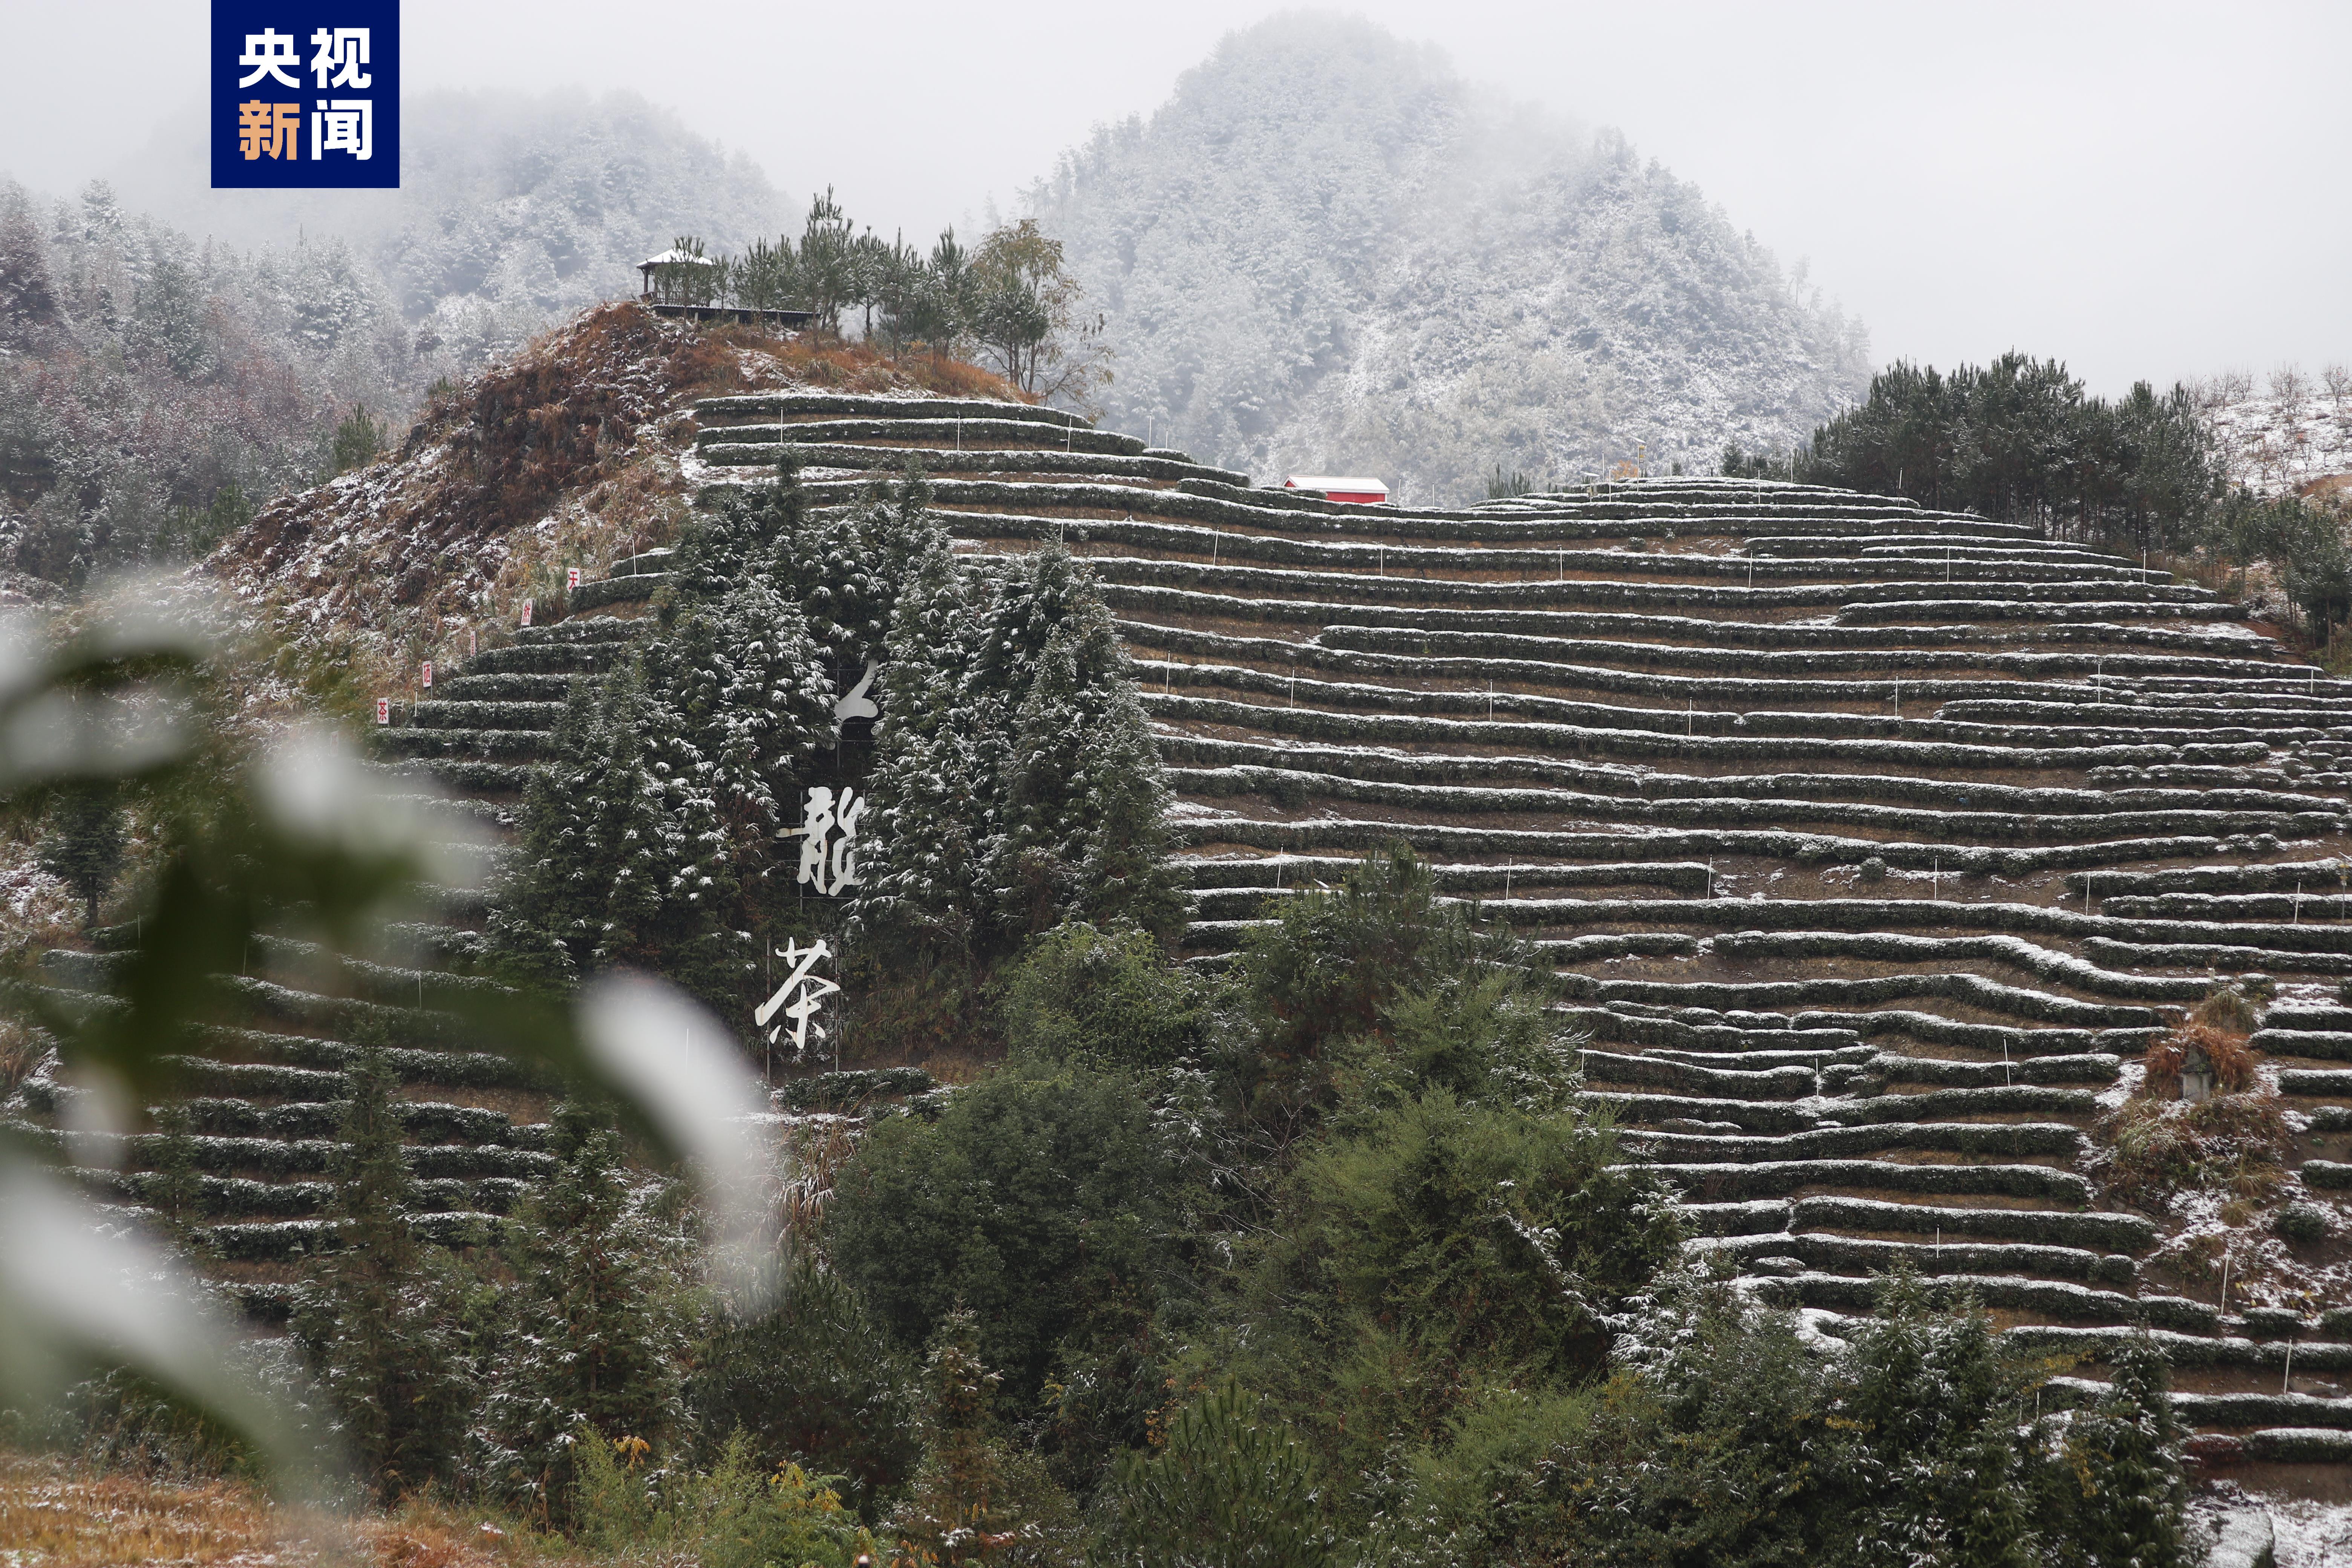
x,y
1325,254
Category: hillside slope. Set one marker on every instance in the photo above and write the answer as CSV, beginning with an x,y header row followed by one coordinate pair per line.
x,y
1326,254
1879,952
1876,955
567,454
2292,435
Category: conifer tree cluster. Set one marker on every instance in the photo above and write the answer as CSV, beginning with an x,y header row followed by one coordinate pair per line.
x,y
2019,438
1922,1438
595,1332
1016,782
382,1315
655,838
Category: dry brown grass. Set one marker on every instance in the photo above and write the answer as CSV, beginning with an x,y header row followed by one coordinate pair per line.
x,y
857,368
53,1515
2234,1061
567,454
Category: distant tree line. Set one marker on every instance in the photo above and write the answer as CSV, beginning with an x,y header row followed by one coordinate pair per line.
x,y
1010,302
2021,441
155,390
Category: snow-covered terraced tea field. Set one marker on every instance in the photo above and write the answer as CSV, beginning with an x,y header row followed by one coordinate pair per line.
x,y
1874,844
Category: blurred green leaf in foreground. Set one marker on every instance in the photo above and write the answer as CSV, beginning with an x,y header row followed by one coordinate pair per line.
x,y
290,835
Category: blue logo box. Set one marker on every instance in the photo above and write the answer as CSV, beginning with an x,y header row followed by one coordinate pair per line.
x,y
305,96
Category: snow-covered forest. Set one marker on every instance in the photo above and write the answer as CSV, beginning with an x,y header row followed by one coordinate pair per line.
x,y
513,211
167,364
1327,253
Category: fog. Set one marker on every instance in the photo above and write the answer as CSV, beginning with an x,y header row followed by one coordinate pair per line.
x,y
2142,190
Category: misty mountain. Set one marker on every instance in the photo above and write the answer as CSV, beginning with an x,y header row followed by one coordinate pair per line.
x,y
1328,253
155,387
513,210
172,356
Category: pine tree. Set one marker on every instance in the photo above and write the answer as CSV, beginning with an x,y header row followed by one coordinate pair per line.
x,y
1944,1460
654,840
84,848
2119,1484
974,1497
31,317
1104,772
1231,1487
597,848
553,892
1016,784
1033,869
379,1314
929,792
595,1334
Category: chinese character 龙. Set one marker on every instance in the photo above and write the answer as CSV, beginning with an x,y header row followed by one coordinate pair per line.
x,y
344,125
268,129
342,50
830,864
269,52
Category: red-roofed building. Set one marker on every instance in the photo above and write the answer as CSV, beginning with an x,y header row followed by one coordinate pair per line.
x,y
1341,486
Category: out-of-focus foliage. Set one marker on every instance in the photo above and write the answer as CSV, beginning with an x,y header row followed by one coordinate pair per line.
x,y
294,839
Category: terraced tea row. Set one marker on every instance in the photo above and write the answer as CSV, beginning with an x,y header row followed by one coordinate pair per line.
x,y
1818,799
1874,844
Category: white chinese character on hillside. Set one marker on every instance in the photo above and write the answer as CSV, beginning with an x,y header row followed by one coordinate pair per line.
x,y
857,704
344,125
829,839
800,997
343,51
269,52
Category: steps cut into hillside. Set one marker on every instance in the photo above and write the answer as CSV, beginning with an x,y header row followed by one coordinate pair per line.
x,y
1874,845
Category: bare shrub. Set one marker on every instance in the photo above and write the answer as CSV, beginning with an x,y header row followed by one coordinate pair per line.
x,y
2152,1150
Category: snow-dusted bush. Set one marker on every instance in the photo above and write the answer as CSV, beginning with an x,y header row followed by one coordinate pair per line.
x,y
1734,1437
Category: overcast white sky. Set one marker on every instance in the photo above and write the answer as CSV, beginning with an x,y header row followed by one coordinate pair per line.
x,y
2141,189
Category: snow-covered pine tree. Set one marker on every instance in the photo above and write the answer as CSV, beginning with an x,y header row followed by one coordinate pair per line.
x,y
847,566
931,799
653,838
1123,872
738,703
2122,1492
552,897
1016,783
596,1329
1086,797
736,535
597,843
379,1316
